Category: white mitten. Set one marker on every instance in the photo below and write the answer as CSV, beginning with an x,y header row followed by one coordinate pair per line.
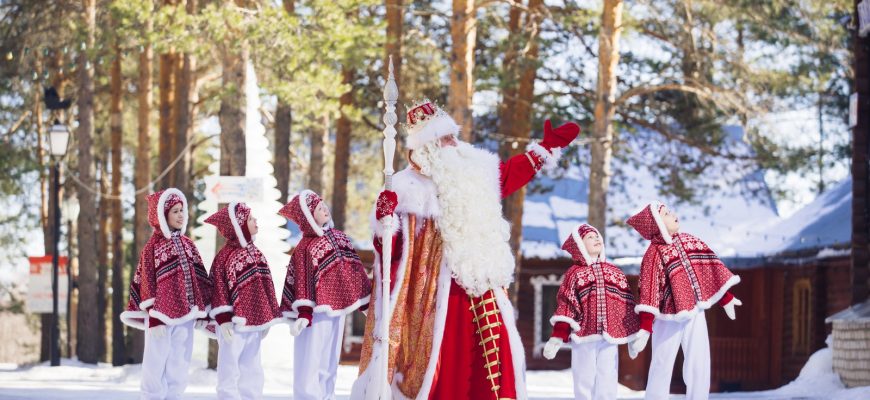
x,y
200,324
158,331
227,330
638,344
552,347
729,308
297,327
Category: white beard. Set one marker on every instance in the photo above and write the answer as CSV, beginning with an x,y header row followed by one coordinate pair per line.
x,y
474,231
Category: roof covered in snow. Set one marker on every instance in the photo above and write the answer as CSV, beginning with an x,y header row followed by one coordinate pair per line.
x,y
737,203
823,224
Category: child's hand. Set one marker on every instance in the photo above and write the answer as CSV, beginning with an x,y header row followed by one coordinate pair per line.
x,y
297,326
227,330
637,346
552,347
729,308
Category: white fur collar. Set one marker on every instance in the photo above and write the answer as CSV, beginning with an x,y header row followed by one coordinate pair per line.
x,y
417,194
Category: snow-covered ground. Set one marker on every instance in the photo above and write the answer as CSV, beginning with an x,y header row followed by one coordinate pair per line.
x,y
74,380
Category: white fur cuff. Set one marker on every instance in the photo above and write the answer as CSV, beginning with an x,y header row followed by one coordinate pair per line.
x,y
551,157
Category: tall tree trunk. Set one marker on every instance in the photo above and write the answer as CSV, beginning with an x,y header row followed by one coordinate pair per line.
x,y
393,46
283,132
232,136
519,124
315,161
341,164
185,97
463,32
602,129
102,255
87,347
395,21
142,176
116,132
167,133
860,171
510,75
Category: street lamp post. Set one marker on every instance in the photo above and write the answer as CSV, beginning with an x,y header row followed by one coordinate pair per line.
x,y
58,139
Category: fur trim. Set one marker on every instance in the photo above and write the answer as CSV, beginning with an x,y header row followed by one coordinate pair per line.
x,y
654,210
219,310
302,303
133,318
239,324
305,211
328,310
195,313
161,215
236,227
290,314
582,247
380,230
442,296
686,315
561,318
144,305
441,125
517,352
551,157
417,194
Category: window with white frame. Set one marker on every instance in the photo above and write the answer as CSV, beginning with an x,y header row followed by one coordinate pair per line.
x,y
546,287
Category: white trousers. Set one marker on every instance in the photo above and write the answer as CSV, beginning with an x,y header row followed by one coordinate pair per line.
x,y
165,362
594,366
316,353
667,338
239,370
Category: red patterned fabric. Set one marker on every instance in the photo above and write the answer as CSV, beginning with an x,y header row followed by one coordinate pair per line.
x,y
645,223
681,278
325,272
170,283
303,217
243,289
386,204
594,300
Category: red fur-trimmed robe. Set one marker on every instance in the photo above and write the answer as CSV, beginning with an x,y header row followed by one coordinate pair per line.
x,y
482,355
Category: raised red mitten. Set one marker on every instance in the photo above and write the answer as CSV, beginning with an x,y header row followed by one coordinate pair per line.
x,y
561,136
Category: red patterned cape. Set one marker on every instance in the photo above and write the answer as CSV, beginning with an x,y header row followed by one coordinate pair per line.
x,y
678,280
325,272
243,289
170,283
594,299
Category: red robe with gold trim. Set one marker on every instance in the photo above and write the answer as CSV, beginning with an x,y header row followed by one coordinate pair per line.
x,y
435,308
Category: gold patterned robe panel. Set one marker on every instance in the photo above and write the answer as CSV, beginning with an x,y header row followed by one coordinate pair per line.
x,y
412,323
